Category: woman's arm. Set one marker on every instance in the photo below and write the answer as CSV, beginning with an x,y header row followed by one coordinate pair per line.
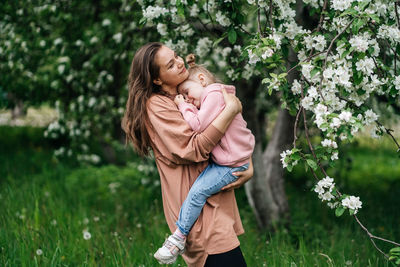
x,y
243,177
176,141
233,106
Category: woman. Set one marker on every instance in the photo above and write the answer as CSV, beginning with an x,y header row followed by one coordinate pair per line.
x,y
152,120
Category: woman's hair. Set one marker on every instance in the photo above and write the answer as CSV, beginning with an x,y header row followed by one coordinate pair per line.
x,y
195,69
140,83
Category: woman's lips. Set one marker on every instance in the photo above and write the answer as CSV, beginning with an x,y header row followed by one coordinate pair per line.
x,y
183,70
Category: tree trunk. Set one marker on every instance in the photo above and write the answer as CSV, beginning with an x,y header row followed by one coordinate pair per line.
x,y
265,191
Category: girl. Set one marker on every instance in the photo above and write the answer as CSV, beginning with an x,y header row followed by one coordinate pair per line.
x,y
204,101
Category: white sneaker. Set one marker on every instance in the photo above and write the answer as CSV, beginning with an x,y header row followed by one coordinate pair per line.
x,y
172,247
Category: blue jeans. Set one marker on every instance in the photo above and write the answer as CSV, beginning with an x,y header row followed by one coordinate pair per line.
x,y
209,182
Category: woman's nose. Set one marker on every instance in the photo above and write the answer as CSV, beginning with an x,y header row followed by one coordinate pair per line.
x,y
180,62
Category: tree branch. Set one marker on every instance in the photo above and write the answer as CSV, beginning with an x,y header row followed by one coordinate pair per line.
x,y
295,126
259,21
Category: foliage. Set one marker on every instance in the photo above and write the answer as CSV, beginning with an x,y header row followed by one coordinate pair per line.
x,y
47,206
73,55
345,59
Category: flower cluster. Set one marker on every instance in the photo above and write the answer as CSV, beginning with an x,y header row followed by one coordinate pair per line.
x,y
352,203
324,188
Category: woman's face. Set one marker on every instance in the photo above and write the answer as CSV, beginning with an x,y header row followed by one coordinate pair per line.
x,y
172,69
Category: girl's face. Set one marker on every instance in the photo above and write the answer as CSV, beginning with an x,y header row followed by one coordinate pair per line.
x,y
172,69
192,91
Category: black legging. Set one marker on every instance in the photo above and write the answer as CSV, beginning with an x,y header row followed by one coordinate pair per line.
x,y
232,258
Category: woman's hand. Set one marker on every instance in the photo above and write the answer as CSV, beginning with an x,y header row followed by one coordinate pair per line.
x,y
243,177
232,103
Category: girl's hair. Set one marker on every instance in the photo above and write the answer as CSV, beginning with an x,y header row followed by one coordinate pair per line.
x,y
140,83
195,69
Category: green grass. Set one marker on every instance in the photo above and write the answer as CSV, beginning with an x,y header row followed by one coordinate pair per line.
x,y
47,204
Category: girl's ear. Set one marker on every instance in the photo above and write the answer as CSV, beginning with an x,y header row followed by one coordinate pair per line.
x,y
202,79
157,81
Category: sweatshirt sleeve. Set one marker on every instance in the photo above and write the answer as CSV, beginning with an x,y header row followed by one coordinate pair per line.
x,y
211,107
173,137
190,114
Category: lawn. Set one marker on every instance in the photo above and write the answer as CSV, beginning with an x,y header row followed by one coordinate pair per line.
x,y
56,213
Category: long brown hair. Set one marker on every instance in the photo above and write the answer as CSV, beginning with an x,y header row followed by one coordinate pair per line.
x,y
140,82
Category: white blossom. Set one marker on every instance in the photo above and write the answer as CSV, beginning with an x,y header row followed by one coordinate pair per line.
x,y
57,41
296,87
268,53
194,11
162,29
370,117
283,155
94,40
329,143
307,102
153,12
341,5
106,22
61,68
335,123
222,19
253,58
117,37
345,116
203,47
353,203
359,43
397,83
366,66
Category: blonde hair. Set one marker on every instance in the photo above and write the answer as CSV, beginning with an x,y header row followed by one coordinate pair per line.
x,y
195,69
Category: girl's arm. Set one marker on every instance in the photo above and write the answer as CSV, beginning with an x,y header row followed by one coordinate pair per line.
x,y
211,107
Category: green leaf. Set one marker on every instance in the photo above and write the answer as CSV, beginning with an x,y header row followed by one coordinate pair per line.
x,y
339,211
396,249
270,90
265,80
289,168
374,17
143,21
351,211
312,164
345,53
232,36
282,75
219,40
357,76
363,5
314,71
296,156
357,25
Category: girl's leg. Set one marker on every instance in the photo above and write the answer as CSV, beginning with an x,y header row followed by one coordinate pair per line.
x,y
209,182
232,258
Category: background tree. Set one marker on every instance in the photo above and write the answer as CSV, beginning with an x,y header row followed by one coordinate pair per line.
x,y
345,54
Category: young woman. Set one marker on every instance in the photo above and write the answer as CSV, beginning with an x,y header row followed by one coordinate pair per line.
x,y
153,121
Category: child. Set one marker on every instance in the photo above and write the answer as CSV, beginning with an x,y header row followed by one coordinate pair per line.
x,y
200,101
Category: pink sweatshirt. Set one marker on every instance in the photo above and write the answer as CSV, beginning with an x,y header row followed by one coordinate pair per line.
x,y
236,146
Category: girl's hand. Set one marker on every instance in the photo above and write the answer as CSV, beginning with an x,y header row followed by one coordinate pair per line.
x,y
232,103
179,99
243,177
